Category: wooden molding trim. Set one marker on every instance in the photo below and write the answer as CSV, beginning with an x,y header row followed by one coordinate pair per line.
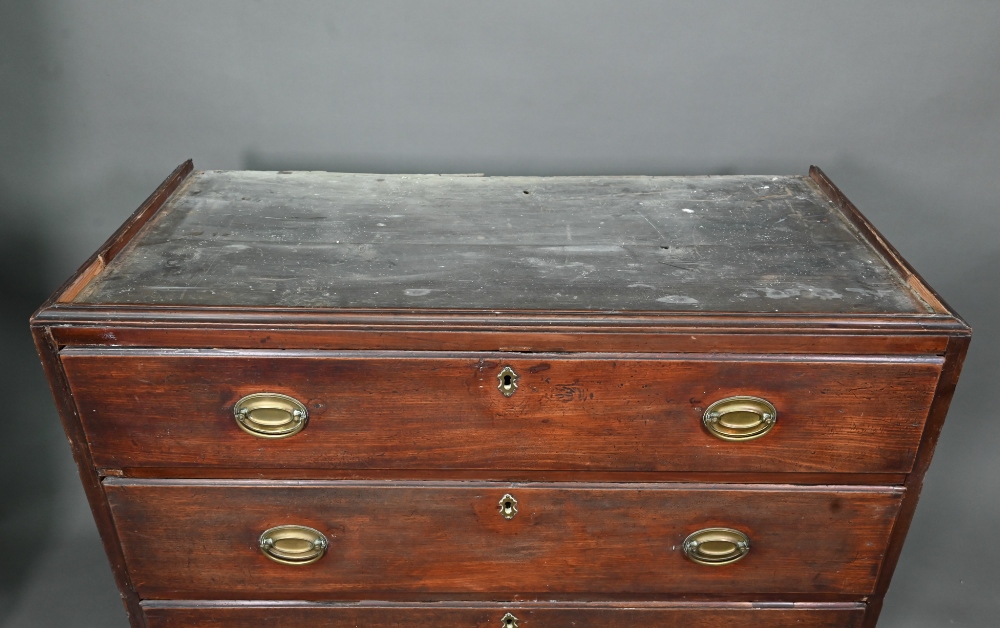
x,y
120,238
868,231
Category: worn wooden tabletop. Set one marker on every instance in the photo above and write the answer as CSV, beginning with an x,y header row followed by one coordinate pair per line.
x,y
318,239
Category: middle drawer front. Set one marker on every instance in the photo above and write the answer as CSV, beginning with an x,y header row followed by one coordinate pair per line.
x,y
201,539
148,408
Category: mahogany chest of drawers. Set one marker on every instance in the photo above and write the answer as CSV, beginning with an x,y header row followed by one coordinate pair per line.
x,y
317,399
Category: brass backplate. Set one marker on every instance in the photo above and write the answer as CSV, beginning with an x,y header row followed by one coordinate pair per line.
x,y
508,621
270,415
716,546
293,544
740,418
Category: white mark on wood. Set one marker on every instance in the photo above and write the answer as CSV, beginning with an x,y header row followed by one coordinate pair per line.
x,y
676,298
641,285
686,210
875,293
800,290
417,292
653,226
590,248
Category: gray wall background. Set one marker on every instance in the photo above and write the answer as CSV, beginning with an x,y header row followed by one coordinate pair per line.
x,y
899,101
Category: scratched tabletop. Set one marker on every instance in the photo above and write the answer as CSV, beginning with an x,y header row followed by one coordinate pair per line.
x,y
468,242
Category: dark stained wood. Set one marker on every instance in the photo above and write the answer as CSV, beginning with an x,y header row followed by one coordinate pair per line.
x,y
88,475
551,339
599,412
502,475
484,615
315,239
954,358
423,540
471,320
110,249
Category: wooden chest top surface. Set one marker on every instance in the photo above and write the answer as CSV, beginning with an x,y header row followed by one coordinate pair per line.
x,y
753,244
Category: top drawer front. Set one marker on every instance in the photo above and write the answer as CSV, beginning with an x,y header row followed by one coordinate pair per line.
x,y
436,411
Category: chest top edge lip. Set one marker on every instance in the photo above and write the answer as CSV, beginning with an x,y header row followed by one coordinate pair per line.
x,y
759,487
579,321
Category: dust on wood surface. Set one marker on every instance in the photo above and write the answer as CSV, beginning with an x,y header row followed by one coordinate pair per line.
x,y
319,239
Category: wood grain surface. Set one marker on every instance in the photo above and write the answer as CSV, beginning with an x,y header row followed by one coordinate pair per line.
x,y
441,411
421,540
395,333
319,239
484,615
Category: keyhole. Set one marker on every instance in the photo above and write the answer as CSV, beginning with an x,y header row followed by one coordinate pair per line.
x,y
508,506
508,381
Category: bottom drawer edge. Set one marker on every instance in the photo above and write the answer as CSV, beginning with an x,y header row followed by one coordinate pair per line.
x,y
226,614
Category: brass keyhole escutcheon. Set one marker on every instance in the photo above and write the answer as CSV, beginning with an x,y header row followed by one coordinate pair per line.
x,y
508,506
508,621
508,381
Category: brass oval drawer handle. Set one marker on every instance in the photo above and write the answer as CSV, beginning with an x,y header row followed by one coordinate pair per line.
x,y
293,545
270,415
740,418
716,546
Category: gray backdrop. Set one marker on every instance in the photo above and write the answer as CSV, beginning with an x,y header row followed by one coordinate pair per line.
x,y
899,101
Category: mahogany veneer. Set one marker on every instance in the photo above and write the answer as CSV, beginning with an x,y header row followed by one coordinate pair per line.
x,y
390,305
568,541
662,615
631,412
